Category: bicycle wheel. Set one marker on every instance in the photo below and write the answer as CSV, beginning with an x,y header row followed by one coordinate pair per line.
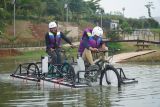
x,y
110,76
92,73
33,70
68,72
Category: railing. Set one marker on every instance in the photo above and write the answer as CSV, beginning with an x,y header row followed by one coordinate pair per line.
x,y
20,45
135,36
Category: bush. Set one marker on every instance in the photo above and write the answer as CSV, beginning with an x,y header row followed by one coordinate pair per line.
x,y
113,35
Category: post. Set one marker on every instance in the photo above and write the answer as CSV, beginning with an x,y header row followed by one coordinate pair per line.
x,y
67,14
66,7
123,9
14,12
101,20
159,37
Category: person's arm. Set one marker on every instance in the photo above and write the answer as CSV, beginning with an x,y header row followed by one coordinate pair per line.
x,y
65,38
85,43
47,41
103,45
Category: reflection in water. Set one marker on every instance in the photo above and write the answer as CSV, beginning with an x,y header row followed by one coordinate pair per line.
x,y
145,93
20,93
9,65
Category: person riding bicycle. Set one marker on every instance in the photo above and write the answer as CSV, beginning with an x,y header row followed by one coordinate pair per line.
x,y
91,41
53,43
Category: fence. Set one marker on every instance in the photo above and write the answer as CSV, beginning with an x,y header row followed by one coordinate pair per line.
x,y
143,34
20,45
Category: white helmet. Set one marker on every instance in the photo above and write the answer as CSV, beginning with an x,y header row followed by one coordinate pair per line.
x,y
52,25
97,31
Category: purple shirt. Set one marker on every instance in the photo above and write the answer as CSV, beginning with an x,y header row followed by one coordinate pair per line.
x,y
88,40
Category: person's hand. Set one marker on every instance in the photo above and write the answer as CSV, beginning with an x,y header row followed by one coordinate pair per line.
x,y
93,49
105,49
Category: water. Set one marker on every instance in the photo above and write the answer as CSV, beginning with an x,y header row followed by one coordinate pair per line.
x,y
9,65
145,93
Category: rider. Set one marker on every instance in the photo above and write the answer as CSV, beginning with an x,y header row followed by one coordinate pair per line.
x,y
91,41
53,43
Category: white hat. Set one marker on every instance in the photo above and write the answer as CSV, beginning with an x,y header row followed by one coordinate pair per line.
x,y
52,25
97,31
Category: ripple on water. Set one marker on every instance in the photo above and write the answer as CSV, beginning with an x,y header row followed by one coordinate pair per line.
x,y
145,93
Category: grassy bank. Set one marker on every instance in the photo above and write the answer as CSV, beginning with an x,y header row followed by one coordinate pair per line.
x,y
26,55
124,47
36,55
153,58
10,63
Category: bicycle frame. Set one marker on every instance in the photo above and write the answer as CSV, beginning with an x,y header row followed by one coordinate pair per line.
x,y
64,70
92,74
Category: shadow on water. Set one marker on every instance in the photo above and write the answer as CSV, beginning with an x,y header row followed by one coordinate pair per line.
x,y
145,93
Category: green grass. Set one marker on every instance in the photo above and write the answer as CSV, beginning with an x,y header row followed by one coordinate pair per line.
x,y
10,63
153,58
156,30
36,55
33,55
124,47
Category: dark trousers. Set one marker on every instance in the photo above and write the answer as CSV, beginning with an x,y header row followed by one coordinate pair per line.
x,y
55,56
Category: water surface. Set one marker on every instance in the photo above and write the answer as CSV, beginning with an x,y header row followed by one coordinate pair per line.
x,y
145,93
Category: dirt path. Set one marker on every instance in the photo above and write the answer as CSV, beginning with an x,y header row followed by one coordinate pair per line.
x,y
124,56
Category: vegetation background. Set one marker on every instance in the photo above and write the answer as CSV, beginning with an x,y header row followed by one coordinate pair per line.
x,y
33,16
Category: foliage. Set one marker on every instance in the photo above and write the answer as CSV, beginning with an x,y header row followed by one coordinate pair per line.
x,y
10,39
126,27
113,35
3,16
78,11
114,45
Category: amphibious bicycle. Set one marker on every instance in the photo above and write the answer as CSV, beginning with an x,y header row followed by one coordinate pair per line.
x,y
73,74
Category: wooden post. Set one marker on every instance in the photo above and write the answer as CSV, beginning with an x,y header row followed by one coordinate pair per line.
x,y
138,37
144,36
148,37
124,34
159,37
143,45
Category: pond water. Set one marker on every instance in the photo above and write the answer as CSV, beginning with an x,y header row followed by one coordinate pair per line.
x,y
145,93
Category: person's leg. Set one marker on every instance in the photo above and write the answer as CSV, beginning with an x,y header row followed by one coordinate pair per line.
x,y
87,55
104,47
53,56
58,53
102,55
